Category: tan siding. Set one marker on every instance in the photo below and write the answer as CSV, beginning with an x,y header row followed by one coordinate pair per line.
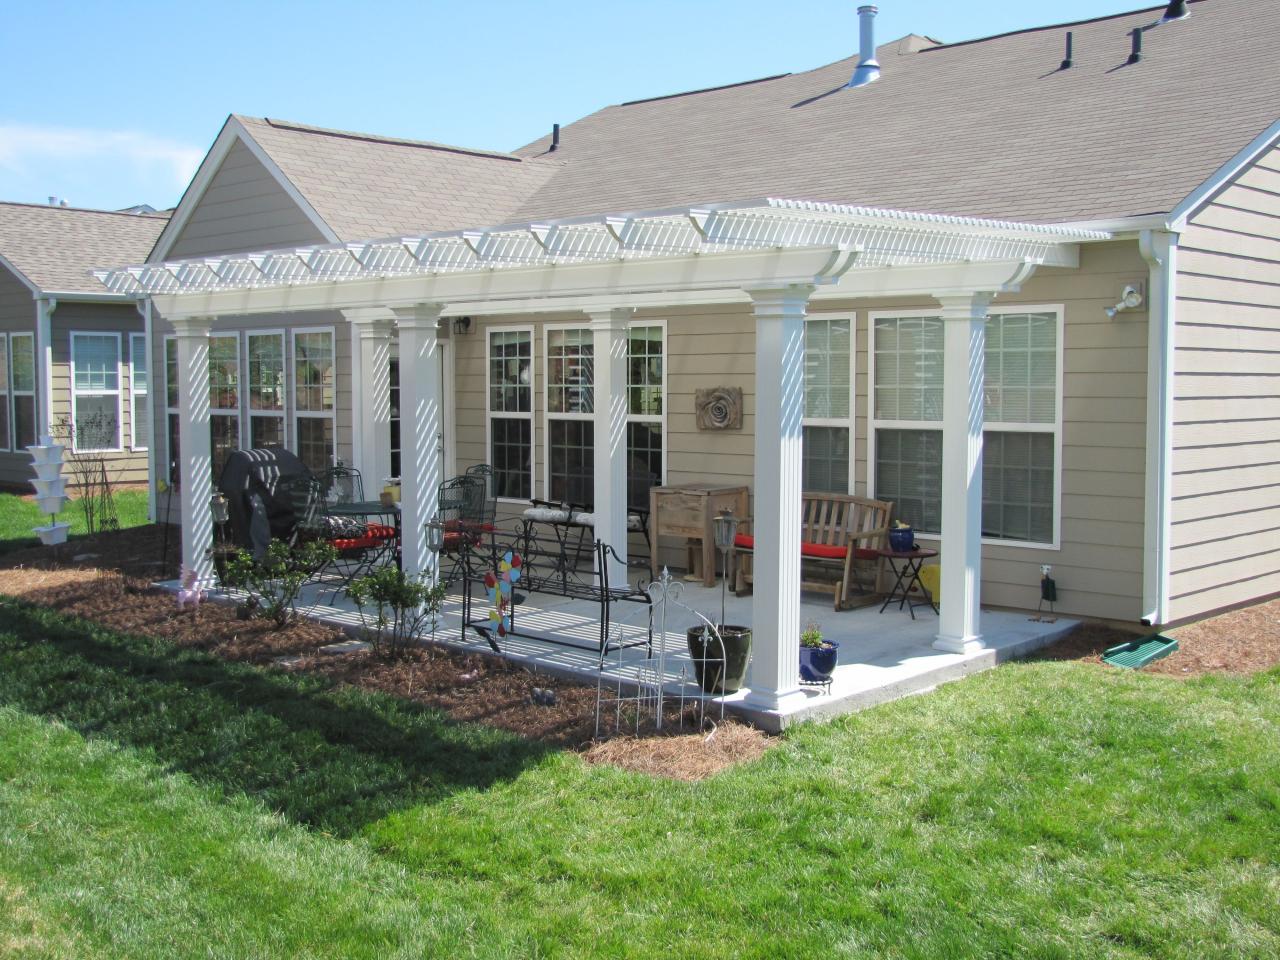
x,y
1226,489
243,208
17,315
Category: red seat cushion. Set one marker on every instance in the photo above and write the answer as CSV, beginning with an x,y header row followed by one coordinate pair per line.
x,y
355,543
381,531
745,541
822,552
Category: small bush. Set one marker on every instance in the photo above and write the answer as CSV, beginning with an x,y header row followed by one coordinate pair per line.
x,y
273,583
396,608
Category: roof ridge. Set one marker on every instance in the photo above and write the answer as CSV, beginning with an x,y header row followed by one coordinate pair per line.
x,y
397,141
160,215
689,93
1049,26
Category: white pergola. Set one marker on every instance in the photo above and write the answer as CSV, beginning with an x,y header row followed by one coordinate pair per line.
x,y
776,256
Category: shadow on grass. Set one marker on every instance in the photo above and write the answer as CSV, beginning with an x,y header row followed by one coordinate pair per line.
x,y
334,759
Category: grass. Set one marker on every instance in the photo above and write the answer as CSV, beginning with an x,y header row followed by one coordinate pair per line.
x,y
160,803
19,514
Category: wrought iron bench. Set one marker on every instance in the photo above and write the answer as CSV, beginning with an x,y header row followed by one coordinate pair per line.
x,y
839,532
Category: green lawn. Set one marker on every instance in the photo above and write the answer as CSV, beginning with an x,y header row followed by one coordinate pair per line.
x,y
160,803
18,515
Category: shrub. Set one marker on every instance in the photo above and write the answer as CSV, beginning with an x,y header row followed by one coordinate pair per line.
x,y
396,608
273,583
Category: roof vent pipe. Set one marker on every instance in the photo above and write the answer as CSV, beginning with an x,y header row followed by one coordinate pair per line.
x,y
1135,55
555,138
1067,61
868,69
1177,11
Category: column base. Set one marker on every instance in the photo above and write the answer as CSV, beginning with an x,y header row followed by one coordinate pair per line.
x,y
775,701
958,644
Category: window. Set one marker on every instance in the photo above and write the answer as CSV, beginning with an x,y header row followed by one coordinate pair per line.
x,y
266,389
394,386
171,409
646,409
1021,407
22,386
139,392
224,400
510,389
827,403
95,391
4,392
314,407
570,386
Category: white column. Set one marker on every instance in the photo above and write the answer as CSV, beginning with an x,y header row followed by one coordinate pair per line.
x,y
196,468
421,459
779,410
371,384
44,367
609,346
964,320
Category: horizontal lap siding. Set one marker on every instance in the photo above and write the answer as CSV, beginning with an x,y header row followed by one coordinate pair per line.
x,y
1098,568
1226,484
243,208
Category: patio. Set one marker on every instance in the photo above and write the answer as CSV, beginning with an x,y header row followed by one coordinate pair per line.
x,y
882,656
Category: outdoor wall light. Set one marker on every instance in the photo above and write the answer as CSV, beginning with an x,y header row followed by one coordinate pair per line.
x,y
461,325
435,535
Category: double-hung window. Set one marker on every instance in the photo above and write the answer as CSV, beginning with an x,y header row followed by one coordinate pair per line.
x,y
510,408
266,389
224,399
1021,409
22,389
828,356
139,392
173,471
5,417
95,391
646,409
570,405
314,397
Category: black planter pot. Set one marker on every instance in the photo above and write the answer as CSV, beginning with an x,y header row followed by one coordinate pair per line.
x,y
818,663
720,674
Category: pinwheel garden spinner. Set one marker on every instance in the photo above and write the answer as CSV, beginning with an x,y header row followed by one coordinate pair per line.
x,y
499,585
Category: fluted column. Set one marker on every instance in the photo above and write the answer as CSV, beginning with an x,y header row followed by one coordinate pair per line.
x,y
195,470
779,411
964,320
609,355
421,430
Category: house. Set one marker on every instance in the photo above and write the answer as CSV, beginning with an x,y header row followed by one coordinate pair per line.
x,y
1025,287
72,354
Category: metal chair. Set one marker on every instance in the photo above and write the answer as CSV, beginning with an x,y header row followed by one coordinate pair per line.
x,y
342,484
460,507
490,500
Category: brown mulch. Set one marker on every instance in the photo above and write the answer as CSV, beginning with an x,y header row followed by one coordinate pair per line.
x,y
1240,641
468,687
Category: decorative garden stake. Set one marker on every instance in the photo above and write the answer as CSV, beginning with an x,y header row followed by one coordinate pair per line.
x,y
499,585
189,595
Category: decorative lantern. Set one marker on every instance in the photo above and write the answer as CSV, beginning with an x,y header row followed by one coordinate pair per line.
x,y
218,506
723,528
435,535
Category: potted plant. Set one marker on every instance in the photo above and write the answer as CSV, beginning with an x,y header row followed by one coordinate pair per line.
x,y
902,539
817,655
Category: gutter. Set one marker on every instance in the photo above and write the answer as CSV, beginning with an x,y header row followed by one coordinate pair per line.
x,y
45,305
144,307
1160,249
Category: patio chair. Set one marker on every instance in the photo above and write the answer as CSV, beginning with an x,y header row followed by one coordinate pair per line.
x,y
343,484
460,507
490,500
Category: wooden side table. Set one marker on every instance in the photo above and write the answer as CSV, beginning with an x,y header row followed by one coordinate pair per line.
x,y
686,510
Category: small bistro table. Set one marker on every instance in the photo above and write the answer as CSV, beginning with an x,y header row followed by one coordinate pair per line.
x,y
907,576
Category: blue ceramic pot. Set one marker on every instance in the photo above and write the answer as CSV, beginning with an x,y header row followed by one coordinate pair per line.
x,y
818,663
902,541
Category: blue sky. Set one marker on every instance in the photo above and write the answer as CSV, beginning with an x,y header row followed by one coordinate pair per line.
x,y
110,104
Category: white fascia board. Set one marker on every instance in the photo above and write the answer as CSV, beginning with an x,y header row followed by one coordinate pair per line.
x,y
233,131
1122,227
1221,178
79,296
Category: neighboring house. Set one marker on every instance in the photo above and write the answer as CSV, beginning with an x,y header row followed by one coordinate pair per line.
x,y
72,354
1135,451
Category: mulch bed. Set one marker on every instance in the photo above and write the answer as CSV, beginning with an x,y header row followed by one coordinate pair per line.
x,y
469,687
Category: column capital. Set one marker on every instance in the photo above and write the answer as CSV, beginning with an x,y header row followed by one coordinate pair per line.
x,y
418,315
191,326
371,320
611,318
971,305
788,298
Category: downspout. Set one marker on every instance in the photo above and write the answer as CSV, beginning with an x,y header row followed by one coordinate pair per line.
x,y
45,306
144,307
1160,249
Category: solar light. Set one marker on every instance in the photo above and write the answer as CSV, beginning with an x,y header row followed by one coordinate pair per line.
x,y
435,535
723,527
218,506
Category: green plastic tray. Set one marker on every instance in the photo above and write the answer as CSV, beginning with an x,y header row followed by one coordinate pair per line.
x,y
1140,652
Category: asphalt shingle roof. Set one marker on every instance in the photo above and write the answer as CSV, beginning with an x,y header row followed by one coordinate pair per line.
x,y
56,247
989,128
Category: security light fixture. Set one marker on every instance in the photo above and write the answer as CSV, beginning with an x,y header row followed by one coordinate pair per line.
x,y
1131,298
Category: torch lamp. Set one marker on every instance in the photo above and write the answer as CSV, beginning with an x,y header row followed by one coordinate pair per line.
x,y
723,528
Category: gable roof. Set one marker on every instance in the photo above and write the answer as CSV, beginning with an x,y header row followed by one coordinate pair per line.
x,y
54,248
986,128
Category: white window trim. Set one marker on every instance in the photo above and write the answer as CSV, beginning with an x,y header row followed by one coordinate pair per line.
x,y
246,418
14,392
851,423
11,443
134,392
873,424
533,394
547,415
291,383
119,394
666,380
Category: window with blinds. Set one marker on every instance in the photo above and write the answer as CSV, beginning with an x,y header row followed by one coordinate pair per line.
x,y
139,392
1021,409
95,391
314,384
646,406
828,403
570,430
224,400
510,367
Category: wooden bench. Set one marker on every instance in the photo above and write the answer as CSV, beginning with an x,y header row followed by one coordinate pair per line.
x,y
838,532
